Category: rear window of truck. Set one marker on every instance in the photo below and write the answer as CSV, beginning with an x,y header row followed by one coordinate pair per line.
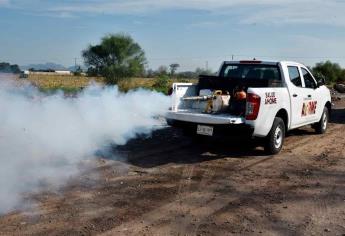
x,y
251,71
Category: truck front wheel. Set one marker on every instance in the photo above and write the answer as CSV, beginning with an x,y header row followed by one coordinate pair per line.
x,y
275,138
322,125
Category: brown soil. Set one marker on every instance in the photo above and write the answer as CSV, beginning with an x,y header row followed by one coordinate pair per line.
x,y
170,185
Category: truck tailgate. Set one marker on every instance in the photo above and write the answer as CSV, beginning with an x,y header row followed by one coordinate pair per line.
x,y
202,118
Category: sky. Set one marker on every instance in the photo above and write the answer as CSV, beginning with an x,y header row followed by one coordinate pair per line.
x,y
193,33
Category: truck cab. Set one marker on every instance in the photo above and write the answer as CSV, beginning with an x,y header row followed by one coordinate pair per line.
x,y
258,99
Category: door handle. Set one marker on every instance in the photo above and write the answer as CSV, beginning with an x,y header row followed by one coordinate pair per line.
x,y
295,95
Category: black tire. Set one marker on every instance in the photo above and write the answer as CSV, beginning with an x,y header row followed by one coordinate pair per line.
x,y
322,125
275,138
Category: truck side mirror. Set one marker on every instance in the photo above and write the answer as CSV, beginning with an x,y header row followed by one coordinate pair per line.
x,y
321,82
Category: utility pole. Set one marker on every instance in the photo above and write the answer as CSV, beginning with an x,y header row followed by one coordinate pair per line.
x,y
206,65
232,57
75,63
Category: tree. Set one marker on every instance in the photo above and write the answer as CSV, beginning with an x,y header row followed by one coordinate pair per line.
x,y
201,71
162,70
78,71
8,68
150,73
330,71
187,75
117,57
341,76
173,68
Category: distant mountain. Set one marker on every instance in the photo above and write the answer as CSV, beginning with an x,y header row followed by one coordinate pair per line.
x,y
46,66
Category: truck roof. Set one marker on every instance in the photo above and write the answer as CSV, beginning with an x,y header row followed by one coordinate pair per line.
x,y
268,62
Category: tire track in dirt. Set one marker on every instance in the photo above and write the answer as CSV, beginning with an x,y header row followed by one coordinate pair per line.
x,y
183,226
182,220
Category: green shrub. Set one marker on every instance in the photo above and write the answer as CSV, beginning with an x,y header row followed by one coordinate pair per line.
x,y
116,58
162,84
332,72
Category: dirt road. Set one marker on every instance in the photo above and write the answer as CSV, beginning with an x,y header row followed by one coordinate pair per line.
x,y
168,185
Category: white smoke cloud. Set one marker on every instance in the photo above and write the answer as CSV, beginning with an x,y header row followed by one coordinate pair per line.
x,y
43,138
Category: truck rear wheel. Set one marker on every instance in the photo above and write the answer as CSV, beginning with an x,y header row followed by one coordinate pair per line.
x,y
322,125
275,138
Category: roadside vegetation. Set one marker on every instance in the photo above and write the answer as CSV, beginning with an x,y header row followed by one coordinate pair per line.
x,y
8,68
73,84
116,58
119,60
65,83
331,72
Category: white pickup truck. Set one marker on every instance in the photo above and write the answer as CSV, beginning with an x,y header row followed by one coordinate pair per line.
x,y
253,98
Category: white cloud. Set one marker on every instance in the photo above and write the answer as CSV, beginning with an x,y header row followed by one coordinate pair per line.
x,y
328,12
150,5
4,2
316,12
60,14
264,11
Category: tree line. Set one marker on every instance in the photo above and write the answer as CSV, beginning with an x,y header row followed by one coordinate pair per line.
x,y
8,68
331,72
118,57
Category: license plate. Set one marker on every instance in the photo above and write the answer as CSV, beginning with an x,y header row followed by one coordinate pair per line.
x,y
205,130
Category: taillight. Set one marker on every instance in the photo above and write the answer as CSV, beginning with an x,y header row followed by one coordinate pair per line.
x,y
253,106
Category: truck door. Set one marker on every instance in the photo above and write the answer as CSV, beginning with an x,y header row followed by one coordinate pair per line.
x,y
312,101
297,93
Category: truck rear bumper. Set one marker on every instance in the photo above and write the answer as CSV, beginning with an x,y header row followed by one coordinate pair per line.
x,y
229,130
223,125
202,118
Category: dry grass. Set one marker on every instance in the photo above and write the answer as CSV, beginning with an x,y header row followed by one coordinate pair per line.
x,y
135,83
70,83
149,83
64,82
